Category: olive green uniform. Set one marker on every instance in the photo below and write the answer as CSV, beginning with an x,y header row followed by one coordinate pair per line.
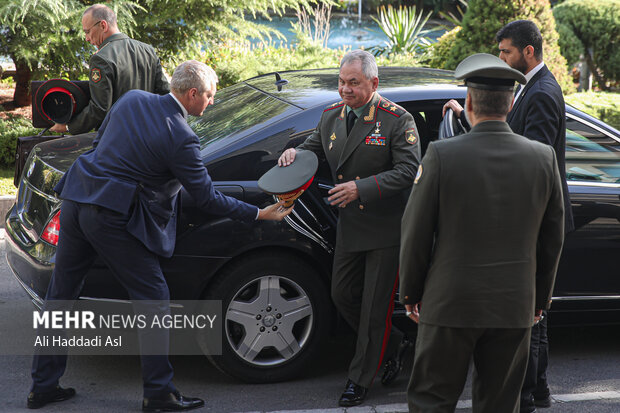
x,y
381,154
481,240
120,64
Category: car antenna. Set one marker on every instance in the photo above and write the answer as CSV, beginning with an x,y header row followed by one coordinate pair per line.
x,y
280,82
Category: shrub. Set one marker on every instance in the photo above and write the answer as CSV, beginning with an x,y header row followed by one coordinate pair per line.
x,y
234,62
6,182
602,105
596,23
484,18
12,127
437,53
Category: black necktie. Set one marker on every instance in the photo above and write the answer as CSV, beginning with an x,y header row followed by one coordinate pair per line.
x,y
517,89
351,117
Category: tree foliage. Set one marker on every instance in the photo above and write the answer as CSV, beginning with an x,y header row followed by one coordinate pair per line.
x,y
178,29
44,37
484,18
592,28
438,52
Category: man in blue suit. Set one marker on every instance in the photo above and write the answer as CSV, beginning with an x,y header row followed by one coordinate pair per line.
x,y
120,202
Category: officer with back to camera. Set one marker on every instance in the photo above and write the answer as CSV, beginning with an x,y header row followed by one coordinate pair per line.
x,y
481,240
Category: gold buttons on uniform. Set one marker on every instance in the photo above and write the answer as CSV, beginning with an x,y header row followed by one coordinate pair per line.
x,y
357,177
406,297
339,176
361,206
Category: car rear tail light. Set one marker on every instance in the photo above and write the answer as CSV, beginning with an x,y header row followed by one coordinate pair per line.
x,y
51,231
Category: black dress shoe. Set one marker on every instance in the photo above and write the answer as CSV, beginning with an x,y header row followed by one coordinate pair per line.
x,y
527,405
393,366
172,402
353,395
38,400
542,402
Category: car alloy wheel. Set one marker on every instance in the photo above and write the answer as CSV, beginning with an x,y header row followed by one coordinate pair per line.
x,y
269,320
276,313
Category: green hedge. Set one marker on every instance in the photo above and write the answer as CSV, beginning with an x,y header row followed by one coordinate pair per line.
x,y
596,23
234,62
602,105
10,129
439,51
6,182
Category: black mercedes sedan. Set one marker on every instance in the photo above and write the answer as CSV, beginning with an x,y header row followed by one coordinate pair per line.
x,y
277,273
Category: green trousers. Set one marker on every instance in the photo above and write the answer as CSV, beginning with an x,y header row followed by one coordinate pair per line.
x,y
441,363
363,287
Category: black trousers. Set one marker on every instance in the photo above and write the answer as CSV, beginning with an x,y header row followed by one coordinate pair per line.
x,y
88,231
535,383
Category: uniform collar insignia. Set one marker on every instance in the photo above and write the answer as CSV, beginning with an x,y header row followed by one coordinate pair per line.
x,y
372,108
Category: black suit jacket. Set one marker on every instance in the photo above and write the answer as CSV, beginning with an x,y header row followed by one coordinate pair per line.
x,y
540,114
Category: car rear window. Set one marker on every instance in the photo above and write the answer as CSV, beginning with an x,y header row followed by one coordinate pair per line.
x,y
237,111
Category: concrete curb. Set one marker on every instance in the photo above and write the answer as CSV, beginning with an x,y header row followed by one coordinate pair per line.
x,y
6,202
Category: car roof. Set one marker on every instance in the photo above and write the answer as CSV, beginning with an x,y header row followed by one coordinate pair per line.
x,y
317,87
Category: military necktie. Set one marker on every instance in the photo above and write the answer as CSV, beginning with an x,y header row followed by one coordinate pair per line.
x,y
351,117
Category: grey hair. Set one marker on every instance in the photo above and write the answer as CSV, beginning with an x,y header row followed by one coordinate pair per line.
x,y
101,12
369,65
490,102
192,74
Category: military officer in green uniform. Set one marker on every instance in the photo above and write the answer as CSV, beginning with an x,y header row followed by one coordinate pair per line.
x,y
372,148
120,64
481,240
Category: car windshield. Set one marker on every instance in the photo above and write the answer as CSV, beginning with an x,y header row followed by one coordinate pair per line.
x,y
237,111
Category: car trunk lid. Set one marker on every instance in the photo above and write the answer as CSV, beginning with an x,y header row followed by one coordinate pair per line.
x,y
36,200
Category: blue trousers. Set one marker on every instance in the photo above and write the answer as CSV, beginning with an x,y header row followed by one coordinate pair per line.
x,y
88,231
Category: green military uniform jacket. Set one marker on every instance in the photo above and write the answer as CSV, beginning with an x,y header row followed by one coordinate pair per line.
x,y
381,155
120,64
483,230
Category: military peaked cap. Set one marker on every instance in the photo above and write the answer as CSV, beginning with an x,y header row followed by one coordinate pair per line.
x,y
485,71
57,100
289,182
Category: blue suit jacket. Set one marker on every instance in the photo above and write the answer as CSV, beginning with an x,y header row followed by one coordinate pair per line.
x,y
143,154
540,114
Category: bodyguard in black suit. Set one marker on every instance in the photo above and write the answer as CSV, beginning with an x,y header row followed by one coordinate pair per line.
x,y
538,112
481,241
120,202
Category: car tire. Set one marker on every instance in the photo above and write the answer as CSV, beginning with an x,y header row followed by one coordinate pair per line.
x,y
276,312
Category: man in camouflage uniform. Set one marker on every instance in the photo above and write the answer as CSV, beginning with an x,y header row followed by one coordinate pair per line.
x,y
371,146
120,64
